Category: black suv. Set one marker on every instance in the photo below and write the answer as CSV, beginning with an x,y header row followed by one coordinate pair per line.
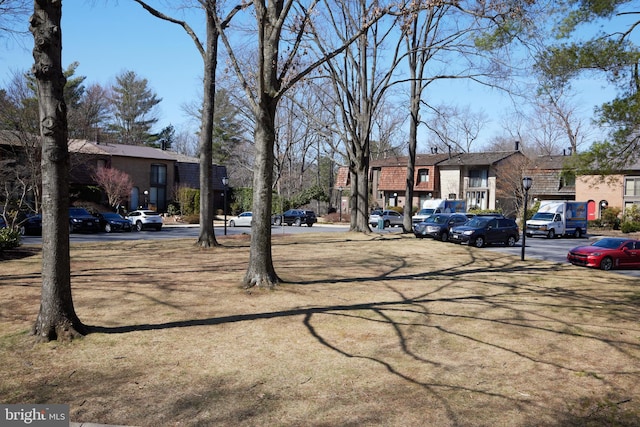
x,y
295,217
439,226
481,231
81,220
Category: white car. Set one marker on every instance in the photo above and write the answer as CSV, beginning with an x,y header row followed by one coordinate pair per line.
x,y
389,218
242,220
142,219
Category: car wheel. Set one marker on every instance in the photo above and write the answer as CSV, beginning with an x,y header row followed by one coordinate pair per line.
x,y
298,222
511,241
578,233
23,230
158,227
310,224
444,237
277,221
139,226
107,228
551,234
479,242
386,224
232,223
606,264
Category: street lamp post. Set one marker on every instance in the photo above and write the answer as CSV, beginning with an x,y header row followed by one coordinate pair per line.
x,y
146,199
526,185
225,181
340,204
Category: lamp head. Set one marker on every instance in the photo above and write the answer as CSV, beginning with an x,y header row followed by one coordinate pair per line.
x,y
527,182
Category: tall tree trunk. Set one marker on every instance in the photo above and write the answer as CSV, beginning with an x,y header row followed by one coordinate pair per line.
x,y
57,318
359,170
209,55
207,236
260,272
414,111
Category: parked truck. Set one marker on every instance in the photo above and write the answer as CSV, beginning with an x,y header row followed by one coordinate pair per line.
x,y
558,218
434,206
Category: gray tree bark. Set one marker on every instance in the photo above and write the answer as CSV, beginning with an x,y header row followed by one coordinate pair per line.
x,y
57,318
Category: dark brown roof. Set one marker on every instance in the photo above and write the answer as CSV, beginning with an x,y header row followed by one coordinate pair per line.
x,y
421,160
549,162
122,150
477,159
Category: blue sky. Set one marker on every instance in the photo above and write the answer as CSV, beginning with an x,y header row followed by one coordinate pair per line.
x,y
109,37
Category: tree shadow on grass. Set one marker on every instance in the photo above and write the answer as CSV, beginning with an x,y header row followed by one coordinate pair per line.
x,y
542,314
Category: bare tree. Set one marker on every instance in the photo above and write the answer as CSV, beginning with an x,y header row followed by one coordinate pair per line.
x,y
454,128
209,52
275,71
92,113
454,41
116,184
57,318
19,115
359,79
13,14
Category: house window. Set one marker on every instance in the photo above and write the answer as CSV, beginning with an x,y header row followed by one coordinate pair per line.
x,y
423,175
158,187
477,200
632,187
478,177
158,175
567,180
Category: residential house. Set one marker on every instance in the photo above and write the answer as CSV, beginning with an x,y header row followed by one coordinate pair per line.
x,y
468,176
620,190
485,180
388,180
155,173
549,179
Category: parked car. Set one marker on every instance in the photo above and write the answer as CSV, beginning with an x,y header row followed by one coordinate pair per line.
x,y
295,217
242,220
111,221
389,218
607,253
31,225
80,220
480,231
145,219
438,226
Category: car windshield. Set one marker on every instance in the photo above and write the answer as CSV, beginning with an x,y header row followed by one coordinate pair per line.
x,y
111,215
78,211
608,243
437,219
477,222
543,216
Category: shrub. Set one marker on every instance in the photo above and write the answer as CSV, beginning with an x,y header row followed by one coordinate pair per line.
x,y
630,227
9,238
610,218
596,223
191,219
632,214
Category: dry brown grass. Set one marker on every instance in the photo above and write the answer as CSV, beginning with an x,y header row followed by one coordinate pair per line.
x,y
368,330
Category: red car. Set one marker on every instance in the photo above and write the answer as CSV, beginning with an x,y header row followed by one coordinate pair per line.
x,y
607,253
